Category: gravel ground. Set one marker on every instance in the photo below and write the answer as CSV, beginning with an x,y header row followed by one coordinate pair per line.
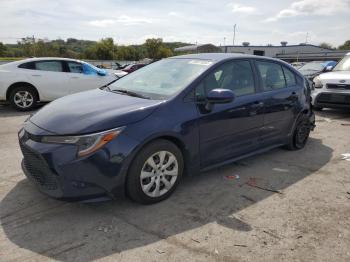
x,y
281,206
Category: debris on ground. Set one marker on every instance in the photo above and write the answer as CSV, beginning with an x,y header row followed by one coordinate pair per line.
x,y
346,156
239,245
231,177
271,234
195,240
345,124
160,251
248,198
280,170
105,229
253,183
216,251
298,237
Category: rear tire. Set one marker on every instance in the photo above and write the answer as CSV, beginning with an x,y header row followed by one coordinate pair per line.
x,y
155,172
24,98
300,134
317,108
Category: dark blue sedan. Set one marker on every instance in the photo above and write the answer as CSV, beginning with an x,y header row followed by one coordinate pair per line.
x,y
181,115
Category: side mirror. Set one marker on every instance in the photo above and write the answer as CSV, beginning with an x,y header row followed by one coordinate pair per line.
x,y
328,69
102,72
220,96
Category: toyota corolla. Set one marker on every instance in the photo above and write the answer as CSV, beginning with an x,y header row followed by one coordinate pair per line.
x,y
181,115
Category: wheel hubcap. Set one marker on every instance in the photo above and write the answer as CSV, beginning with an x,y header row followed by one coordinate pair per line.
x,y
159,174
23,99
302,133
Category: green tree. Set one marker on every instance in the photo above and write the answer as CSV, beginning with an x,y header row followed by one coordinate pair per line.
x,y
156,49
345,46
326,45
3,49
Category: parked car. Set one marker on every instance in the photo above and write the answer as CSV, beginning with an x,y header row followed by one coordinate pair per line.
x,y
25,83
312,69
332,89
183,114
117,73
297,65
132,68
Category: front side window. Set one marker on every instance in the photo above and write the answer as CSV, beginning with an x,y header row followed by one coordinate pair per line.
x,y
290,77
75,67
53,66
235,75
162,79
271,75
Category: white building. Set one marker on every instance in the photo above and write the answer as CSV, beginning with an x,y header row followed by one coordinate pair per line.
x,y
291,53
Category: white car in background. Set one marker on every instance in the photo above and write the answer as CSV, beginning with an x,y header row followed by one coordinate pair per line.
x,y
332,90
25,83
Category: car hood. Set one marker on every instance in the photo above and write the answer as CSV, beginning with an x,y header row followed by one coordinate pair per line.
x,y
309,72
92,111
336,76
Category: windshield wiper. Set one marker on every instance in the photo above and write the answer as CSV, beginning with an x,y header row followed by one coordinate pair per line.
x,y
130,93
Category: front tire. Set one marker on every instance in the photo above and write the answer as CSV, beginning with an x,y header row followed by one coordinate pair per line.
x,y
300,134
155,172
23,98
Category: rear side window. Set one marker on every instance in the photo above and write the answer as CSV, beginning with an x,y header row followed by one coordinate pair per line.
x,y
53,66
290,77
271,75
28,65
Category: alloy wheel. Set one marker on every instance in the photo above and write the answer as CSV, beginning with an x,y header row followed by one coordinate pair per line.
x,y
159,174
23,99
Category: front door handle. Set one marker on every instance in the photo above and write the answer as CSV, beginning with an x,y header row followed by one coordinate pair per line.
x,y
75,77
36,75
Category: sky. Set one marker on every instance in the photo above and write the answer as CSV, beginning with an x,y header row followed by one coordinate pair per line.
x,y
190,21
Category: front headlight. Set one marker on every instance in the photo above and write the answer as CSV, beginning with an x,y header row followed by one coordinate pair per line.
x,y
86,144
317,83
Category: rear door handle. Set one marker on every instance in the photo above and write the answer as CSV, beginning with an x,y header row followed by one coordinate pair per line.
x,y
75,77
36,75
258,104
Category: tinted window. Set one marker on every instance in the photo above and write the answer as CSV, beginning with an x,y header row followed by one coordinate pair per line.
x,y
54,66
290,77
28,65
75,67
271,75
236,76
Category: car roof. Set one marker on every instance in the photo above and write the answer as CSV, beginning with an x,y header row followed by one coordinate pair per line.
x,y
217,57
47,58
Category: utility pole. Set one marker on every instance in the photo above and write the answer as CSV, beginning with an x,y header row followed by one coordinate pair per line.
x,y
307,37
234,34
224,41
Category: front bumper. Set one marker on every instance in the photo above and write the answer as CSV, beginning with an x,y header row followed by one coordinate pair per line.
x,y
59,173
331,100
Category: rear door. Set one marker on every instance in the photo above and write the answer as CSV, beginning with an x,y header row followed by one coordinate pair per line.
x,y
50,79
229,130
280,95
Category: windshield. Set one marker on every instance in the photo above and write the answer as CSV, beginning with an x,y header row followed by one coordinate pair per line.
x,y
162,79
313,66
343,65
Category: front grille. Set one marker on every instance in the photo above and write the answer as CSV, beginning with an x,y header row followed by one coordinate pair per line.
x,y
338,86
334,98
38,169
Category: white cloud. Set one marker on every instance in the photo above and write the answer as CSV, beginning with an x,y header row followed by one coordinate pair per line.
x,y
243,9
312,7
124,19
102,23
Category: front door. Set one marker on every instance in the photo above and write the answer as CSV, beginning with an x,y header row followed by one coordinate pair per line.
x,y
229,130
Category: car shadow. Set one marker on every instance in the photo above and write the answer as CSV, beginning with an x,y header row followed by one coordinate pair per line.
x,y
76,231
8,111
333,114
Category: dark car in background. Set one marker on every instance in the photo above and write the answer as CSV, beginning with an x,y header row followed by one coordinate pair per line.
x,y
183,114
312,69
133,67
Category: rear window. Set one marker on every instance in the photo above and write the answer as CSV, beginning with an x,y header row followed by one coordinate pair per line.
x,y
28,65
